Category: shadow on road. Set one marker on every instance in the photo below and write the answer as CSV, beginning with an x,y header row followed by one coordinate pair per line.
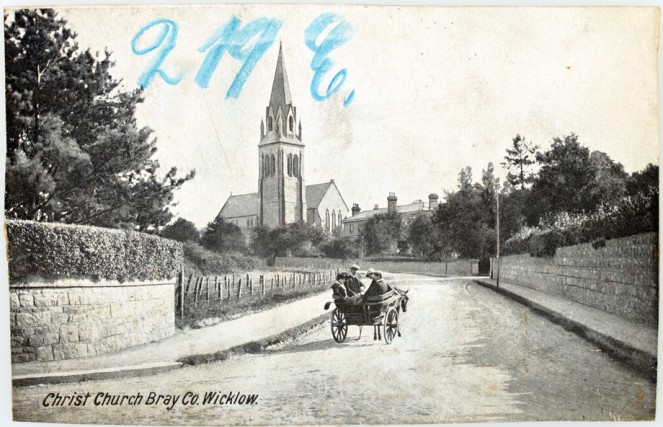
x,y
327,344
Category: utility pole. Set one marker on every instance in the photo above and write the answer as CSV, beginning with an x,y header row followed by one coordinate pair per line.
x,y
497,229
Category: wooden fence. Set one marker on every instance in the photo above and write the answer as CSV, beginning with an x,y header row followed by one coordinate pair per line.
x,y
193,290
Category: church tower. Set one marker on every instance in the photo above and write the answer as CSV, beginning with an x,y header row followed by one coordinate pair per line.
x,y
281,189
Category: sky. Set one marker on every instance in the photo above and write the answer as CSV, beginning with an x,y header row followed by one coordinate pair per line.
x,y
435,89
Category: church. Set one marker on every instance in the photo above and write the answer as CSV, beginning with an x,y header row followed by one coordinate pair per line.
x,y
283,196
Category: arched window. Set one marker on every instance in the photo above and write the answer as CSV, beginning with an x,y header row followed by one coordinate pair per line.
x,y
333,220
289,164
270,123
327,221
291,123
340,220
272,166
265,165
295,166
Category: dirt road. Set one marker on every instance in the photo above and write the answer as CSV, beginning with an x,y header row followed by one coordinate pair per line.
x,y
466,355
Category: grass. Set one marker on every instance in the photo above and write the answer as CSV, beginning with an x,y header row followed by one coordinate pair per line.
x,y
212,312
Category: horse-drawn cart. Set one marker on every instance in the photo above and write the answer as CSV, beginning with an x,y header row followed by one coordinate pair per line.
x,y
381,313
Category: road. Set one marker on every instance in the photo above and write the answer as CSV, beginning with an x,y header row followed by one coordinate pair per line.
x,y
467,354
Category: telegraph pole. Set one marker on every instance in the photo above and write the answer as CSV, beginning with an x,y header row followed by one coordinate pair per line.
x,y
497,229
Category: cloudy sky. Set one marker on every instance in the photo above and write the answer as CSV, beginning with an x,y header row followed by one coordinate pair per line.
x,y
436,89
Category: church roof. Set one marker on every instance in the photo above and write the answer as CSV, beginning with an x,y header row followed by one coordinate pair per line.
x,y
315,193
280,88
241,205
417,206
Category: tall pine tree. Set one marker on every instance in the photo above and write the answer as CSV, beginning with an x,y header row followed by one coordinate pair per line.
x,y
75,153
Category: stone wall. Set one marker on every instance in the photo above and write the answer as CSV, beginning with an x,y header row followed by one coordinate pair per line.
x,y
75,318
452,268
78,291
620,278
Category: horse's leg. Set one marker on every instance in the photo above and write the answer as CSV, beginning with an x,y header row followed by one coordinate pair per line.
x,y
379,335
398,325
375,337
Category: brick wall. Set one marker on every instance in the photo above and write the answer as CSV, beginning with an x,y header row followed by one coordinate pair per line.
x,y
620,278
66,319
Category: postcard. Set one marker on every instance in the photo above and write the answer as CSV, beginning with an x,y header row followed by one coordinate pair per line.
x,y
263,214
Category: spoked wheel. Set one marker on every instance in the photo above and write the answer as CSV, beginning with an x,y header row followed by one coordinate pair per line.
x,y
390,325
339,325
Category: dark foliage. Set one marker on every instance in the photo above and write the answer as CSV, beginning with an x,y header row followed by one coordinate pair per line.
x,y
59,251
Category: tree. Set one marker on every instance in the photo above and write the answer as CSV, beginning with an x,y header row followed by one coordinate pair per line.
x,y
574,180
290,238
520,158
74,151
382,233
223,236
182,231
421,236
341,248
641,182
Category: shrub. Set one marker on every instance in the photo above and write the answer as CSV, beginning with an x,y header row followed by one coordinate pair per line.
x,y
55,251
632,215
340,248
198,260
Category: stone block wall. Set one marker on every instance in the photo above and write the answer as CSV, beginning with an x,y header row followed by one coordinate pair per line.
x,y
620,278
76,318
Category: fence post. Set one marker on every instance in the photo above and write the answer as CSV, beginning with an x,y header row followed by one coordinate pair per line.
x,y
206,289
180,279
195,292
239,289
217,288
262,282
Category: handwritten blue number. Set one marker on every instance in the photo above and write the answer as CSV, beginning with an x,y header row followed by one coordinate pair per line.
x,y
237,42
169,35
320,63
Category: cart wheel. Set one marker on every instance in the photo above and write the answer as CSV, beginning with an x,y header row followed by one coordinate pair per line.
x,y
390,325
339,325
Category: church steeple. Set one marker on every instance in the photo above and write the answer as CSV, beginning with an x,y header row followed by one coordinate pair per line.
x,y
280,88
281,185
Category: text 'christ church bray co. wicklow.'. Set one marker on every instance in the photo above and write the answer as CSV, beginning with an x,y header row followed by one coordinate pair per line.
x,y
283,197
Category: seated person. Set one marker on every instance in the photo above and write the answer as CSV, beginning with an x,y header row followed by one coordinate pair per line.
x,y
353,284
377,288
339,291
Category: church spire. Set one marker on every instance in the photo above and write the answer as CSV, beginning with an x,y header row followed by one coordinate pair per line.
x,y
280,88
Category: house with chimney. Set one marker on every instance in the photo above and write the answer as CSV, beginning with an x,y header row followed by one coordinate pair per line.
x,y
353,225
283,196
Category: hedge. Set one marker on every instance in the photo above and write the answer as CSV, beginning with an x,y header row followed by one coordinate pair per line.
x,y
57,251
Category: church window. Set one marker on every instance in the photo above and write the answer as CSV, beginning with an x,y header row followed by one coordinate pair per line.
x,y
327,221
340,220
352,229
333,224
289,164
248,222
265,165
272,166
270,123
295,166
291,123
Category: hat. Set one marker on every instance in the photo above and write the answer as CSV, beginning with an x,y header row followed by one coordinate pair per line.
x,y
354,267
370,271
378,273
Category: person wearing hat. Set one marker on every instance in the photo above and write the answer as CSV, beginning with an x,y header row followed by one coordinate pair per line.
x,y
338,287
378,286
353,284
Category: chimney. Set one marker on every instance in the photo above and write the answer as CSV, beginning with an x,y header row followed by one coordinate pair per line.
x,y
391,203
355,209
432,201
376,207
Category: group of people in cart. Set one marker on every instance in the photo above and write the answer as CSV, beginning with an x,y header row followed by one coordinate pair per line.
x,y
349,288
